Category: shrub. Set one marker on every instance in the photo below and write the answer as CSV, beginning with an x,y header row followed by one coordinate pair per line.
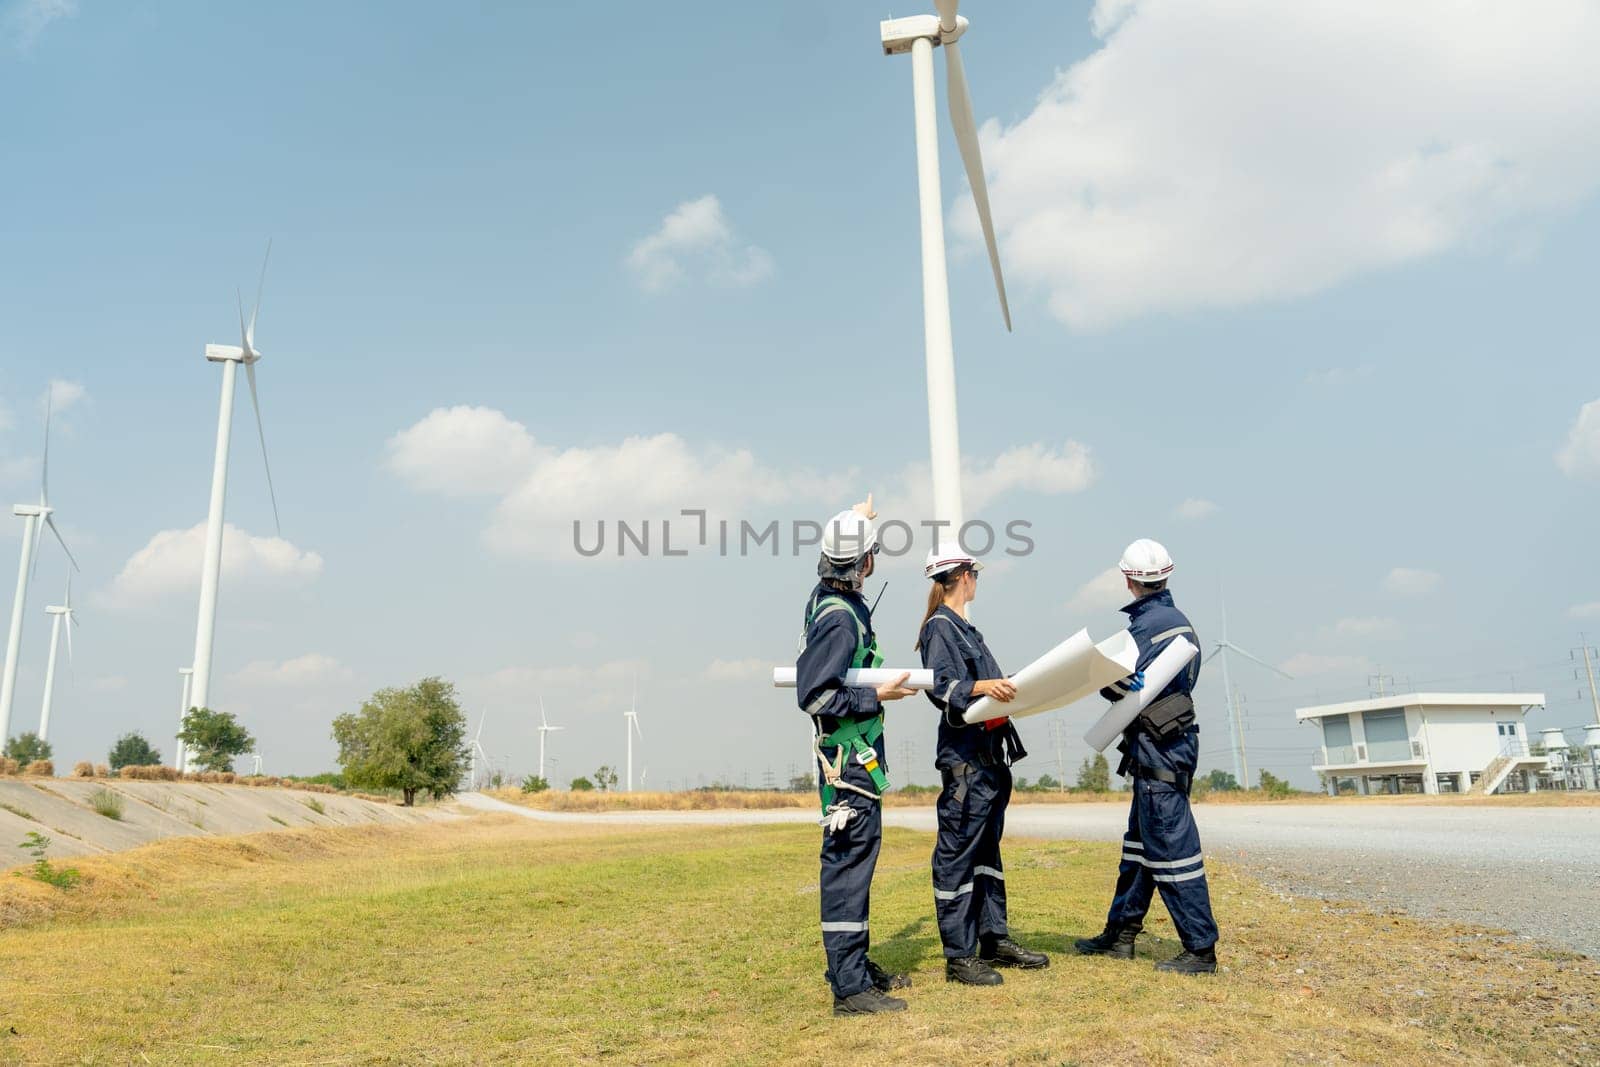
x,y
62,877
581,785
316,805
106,803
534,784
132,749
40,768
1274,787
27,747
83,769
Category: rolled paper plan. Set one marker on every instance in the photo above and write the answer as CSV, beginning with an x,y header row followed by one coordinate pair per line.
x,y
1069,672
783,677
1162,670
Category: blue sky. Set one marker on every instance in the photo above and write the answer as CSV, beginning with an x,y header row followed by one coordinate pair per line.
x,y
1308,319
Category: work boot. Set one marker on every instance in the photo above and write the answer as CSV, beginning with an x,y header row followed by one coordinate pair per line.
x,y
1186,962
1004,952
970,970
883,981
1115,941
870,1001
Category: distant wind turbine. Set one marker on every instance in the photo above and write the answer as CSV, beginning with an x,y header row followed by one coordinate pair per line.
x,y
544,728
1235,727
58,613
32,516
230,356
631,718
477,750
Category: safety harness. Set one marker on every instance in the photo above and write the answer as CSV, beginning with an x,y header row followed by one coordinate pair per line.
x,y
852,738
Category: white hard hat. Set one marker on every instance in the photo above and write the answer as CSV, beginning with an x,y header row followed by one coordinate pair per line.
x,y
848,536
943,561
1146,561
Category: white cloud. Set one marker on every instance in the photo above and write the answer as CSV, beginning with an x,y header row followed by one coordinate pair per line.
x,y
696,240
463,450
1035,468
1195,508
738,670
63,395
1105,591
1590,610
24,20
1309,664
1306,143
313,668
1410,581
1580,456
170,563
1372,627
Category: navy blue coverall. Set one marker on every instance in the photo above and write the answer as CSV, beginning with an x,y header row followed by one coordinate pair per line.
x,y
833,639
969,881
1162,846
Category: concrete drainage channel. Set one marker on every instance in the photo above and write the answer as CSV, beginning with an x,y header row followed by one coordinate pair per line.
x,y
86,816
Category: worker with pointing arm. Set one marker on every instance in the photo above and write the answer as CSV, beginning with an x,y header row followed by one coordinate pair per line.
x,y
1160,750
850,750
969,881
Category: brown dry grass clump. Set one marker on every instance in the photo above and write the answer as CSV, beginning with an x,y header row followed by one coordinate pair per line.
x,y
150,772
40,768
102,771
9,765
83,769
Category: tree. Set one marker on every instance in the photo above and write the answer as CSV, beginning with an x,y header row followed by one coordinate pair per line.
x,y
1222,781
1274,786
1095,775
26,748
1048,782
581,785
534,784
801,783
605,778
215,737
413,740
132,750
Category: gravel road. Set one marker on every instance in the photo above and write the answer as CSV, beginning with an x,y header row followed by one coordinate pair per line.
x,y
1535,871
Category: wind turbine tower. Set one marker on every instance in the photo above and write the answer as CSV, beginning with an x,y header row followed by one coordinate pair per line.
x,y
920,35
186,675
33,516
230,356
1235,727
58,614
544,728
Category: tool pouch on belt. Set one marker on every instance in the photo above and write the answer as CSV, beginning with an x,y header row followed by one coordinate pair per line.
x,y
1168,716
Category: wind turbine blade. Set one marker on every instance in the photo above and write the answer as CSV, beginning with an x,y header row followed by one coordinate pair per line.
x,y
1209,656
244,333
44,464
71,622
1262,662
261,431
50,521
636,730
544,722
972,158
250,333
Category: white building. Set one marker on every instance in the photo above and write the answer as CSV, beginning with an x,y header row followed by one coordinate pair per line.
x,y
1427,743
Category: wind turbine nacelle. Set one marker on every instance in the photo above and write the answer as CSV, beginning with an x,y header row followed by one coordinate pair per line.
x,y
56,610
224,353
24,511
900,34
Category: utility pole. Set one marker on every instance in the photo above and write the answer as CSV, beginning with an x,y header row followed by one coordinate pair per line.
x,y
1376,682
907,749
1588,668
1056,730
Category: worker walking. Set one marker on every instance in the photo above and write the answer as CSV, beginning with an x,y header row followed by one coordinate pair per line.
x,y
969,879
1160,749
848,726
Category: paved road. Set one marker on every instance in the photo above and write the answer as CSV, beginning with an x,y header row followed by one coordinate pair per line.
x,y
1532,870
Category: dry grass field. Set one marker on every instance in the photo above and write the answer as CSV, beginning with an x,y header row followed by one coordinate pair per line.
x,y
496,939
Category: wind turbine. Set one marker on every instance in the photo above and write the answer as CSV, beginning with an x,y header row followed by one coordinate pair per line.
x,y
544,728
920,35
631,718
230,356
1235,727
58,613
181,762
477,750
32,516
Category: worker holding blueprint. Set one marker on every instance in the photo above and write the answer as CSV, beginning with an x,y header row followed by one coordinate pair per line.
x,y
1160,750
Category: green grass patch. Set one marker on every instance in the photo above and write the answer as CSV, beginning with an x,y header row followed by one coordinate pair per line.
x,y
499,940
316,805
277,820
18,812
107,803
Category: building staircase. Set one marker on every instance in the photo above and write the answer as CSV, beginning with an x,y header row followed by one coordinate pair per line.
x,y
1493,776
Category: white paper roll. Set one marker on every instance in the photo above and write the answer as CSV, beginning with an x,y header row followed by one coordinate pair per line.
x,y
783,677
1162,670
1069,672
